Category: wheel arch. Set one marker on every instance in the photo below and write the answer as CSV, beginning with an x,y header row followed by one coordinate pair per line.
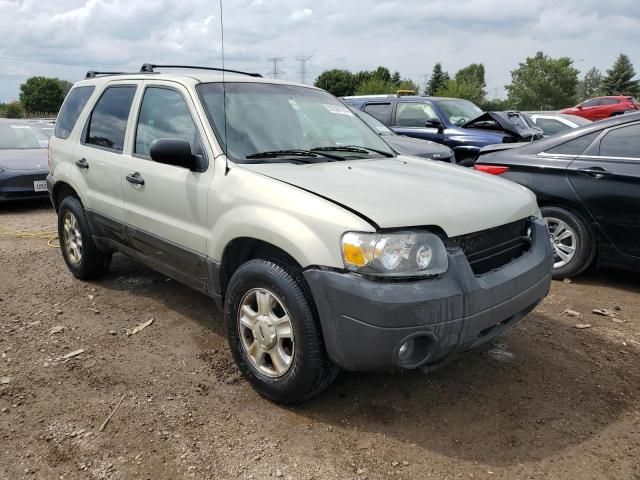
x,y
242,249
61,190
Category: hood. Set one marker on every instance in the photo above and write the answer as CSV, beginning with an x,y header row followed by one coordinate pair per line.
x,y
418,148
507,122
403,192
24,159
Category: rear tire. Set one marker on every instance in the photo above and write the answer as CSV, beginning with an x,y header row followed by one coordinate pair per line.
x,y
80,253
286,366
571,242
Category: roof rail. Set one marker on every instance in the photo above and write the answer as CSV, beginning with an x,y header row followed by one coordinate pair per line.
x,y
94,74
149,68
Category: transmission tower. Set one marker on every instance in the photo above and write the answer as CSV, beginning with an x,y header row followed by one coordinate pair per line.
x,y
302,69
275,67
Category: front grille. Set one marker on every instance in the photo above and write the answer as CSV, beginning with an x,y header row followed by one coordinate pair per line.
x,y
493,248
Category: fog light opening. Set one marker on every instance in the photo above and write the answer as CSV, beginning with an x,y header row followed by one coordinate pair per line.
x,y
414,351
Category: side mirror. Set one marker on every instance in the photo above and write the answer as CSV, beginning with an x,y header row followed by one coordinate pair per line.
x,y
172,151
434,123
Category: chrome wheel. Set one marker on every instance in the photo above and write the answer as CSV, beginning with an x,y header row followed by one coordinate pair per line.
x,y
266,332
72,238
563,240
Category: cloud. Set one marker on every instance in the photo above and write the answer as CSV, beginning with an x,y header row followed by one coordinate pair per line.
x,y
406,35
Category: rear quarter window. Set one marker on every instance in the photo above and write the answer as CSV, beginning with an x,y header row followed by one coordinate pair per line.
x,y
574,147
71,109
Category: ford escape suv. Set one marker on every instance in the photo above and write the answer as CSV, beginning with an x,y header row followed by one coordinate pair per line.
x,y
323,247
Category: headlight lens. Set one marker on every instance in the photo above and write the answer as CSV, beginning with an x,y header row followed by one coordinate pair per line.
x,y
400,254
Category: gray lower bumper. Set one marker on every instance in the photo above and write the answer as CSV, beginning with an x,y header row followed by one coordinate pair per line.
x,y
364,321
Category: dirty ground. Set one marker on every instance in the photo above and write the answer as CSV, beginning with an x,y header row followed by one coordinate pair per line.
x,y
557,398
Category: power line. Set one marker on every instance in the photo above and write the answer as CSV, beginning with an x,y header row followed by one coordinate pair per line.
x,y
302,69
275,67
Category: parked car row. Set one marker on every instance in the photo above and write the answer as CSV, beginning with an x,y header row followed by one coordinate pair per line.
x,y
458,124
587,182
23,158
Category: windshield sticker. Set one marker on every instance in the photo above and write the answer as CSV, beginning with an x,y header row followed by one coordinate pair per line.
x,y
338,109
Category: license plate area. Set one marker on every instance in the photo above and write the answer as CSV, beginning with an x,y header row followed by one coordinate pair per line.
x,y
40,185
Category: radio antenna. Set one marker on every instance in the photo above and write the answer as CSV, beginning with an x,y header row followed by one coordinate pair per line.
x,y
224,94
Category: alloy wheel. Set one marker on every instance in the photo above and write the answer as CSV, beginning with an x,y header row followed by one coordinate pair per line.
x,y
72,238
266,332
563,241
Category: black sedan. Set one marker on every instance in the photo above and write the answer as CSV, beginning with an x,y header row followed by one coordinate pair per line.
x,y
23,159
588,186
407,145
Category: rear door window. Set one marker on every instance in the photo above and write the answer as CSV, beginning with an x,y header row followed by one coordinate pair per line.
x,y
380,111
609,101
591,103
622,142
108,123
71,109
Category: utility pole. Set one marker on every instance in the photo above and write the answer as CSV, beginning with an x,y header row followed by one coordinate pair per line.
x,y
302,69
275,67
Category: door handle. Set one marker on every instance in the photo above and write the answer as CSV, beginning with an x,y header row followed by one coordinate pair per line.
x,y
135,178
82,163
595,172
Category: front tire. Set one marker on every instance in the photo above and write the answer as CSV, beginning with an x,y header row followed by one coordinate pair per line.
x,y
571,242
80,253
273,332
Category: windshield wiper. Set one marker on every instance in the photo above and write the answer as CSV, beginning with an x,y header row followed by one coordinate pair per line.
x,y
351,148
291,153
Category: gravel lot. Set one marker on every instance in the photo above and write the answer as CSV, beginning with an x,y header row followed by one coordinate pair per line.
x,y
548,401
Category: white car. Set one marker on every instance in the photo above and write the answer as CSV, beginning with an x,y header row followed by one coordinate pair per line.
x,y
324,248
552,123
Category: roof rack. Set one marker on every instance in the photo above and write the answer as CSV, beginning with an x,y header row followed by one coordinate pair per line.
x,y
94,74
149,68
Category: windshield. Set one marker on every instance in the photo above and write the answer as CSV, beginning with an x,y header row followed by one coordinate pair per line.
x,y
21,136
264,117
459,112
379,127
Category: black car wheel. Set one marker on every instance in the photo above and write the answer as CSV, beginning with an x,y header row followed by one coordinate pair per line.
x,y
571,242
80,253
273,332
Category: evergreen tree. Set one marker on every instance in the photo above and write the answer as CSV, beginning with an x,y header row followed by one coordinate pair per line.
x,y
619,79
438,79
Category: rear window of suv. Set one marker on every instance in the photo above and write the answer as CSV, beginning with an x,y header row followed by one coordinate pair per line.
x,y
108,122
70,111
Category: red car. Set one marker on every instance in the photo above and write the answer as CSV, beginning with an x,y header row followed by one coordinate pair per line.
x,y
603,107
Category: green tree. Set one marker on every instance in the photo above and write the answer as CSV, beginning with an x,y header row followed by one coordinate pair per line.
x,y
338,82
407,84
619,79
395,78
438,78
42,94
590,85
496,105
461,89
66,86
14,110
375,86
544,83
472,78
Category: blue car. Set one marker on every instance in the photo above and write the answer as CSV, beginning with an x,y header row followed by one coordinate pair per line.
x,y
458,124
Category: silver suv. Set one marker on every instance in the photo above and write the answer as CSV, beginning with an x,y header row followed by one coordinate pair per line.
x,y
324,248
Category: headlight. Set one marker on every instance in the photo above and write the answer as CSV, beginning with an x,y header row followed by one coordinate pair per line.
x,y
400,254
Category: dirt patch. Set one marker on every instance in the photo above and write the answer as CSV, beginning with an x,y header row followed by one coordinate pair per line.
x,y
548,400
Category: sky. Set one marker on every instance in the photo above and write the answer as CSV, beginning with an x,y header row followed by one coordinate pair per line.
x,y
65,38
